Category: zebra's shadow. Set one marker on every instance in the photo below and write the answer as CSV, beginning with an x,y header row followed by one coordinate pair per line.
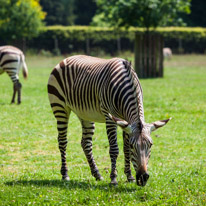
x,y
74,184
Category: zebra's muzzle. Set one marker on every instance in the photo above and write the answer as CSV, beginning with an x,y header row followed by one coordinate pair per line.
x,y
142,179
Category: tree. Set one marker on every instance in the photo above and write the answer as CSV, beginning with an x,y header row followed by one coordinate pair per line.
x,y
142,13
148,14
20,19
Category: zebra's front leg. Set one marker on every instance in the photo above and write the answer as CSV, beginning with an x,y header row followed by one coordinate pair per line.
x,y
62,124
113,148
126,148
86,143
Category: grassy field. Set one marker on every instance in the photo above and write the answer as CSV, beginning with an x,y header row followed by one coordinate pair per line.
x,y
30,159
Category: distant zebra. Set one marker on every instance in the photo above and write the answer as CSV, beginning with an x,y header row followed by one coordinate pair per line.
x,y
11,60
167,53
107,91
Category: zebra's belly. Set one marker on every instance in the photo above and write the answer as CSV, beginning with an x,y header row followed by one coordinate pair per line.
x,y
90,115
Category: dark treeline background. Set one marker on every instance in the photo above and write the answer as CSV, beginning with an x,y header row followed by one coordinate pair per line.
x,y
81,12
197,17
68,12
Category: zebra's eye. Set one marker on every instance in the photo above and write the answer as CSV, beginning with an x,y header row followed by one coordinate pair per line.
x,y
149,141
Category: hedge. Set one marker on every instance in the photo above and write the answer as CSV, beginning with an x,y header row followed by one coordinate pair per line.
x,y
69,39
99,33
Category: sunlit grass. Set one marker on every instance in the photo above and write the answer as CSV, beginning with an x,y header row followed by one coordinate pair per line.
x,y
30,160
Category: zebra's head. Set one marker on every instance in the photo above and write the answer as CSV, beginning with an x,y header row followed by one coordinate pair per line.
x,y
140,145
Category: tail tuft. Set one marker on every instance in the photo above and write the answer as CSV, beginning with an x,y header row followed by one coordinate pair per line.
x,y
25,70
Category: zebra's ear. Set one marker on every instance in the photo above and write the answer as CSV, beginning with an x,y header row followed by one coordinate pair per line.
x,y
158,124
122,123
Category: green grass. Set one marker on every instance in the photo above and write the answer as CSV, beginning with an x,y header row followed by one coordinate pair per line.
x,y
30,159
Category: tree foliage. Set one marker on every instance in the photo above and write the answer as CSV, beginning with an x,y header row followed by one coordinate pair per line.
x,y
142,13
20,18
59,12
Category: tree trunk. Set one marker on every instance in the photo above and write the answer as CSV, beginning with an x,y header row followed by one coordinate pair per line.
x,y
87,46
119,45
149,55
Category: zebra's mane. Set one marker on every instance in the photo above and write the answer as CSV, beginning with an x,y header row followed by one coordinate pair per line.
x,y
138,87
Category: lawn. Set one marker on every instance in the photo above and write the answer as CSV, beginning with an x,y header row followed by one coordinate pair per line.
x,y
30,159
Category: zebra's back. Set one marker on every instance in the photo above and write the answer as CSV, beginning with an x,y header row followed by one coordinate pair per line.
x,y
8,51
9,55
82,83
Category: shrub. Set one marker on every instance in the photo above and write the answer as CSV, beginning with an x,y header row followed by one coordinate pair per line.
x,y
78,38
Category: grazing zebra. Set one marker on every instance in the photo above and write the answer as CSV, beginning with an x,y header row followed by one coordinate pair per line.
x,y
167,53
11,60
107,91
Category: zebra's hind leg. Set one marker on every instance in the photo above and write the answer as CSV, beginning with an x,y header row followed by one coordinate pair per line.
x,y
126,148
19,93
16,88
113,149
86,143
14,94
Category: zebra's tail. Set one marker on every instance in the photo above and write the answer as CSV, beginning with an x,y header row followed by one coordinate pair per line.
x,y
25,70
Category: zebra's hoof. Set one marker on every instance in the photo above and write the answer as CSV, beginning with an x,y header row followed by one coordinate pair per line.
x,y
114,182
66,178
131,179
99,178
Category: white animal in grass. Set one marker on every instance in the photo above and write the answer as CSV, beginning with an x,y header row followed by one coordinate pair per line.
x,y
167,52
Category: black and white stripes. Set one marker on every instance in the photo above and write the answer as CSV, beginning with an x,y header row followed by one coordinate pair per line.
x,y
11,60
100,90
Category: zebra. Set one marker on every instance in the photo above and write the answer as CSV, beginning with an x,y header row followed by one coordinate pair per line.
x,y
167,53
11,60
106,91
